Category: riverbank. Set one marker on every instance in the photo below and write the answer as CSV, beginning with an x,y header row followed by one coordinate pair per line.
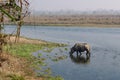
x,y
77,25
74,25
16,62
73,20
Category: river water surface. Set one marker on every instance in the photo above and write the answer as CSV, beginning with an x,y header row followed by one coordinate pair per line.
x,y
104,63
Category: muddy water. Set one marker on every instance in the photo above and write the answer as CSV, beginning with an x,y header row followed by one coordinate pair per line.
x,y
104,63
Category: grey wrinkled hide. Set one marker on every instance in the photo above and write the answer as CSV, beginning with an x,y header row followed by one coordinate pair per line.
x,y
81,47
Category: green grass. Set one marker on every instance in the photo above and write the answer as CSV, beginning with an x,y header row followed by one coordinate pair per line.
x,y
15,77
22,50
25,50
55,78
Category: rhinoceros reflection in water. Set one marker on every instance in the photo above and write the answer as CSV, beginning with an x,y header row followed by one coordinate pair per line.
x,y
80,59
81,47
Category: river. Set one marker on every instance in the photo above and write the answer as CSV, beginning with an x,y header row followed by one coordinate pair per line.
x,y
104,63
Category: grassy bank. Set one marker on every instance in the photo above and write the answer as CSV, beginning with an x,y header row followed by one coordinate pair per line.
x,y
18,60
26,49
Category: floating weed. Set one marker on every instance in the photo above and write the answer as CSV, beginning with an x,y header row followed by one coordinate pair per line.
x,y
39,62
54,78
47,55
58,58
45,72
43,59
66,49
54,59
39,55
48,50
56,54
48,70
50,57
47,75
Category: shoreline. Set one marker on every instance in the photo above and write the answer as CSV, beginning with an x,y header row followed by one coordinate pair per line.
x,y
72,25
82,25
16,61
23,40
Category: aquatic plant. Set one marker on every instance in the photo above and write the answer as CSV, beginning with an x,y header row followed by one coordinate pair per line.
x,y
55,78
58,58
66,49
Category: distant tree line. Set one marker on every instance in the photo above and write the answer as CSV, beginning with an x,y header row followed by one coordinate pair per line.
x,y
72,19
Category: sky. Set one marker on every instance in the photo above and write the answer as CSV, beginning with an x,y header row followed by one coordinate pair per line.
x,y
78,5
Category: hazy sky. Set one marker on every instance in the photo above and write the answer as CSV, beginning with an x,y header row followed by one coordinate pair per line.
x,y
83,5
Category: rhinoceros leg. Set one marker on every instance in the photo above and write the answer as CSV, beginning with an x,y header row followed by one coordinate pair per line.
x,y
80,53
77,52
87,53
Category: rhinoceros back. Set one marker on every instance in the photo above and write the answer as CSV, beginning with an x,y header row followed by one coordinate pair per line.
x,y
80,47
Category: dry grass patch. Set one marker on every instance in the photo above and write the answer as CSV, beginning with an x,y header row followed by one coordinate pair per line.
x,y
15,68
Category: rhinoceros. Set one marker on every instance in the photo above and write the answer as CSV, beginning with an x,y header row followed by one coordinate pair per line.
x,y
81,47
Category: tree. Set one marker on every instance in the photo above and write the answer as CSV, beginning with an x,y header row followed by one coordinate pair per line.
x,y
15,10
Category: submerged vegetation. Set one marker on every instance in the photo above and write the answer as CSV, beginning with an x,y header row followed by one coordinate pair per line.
x,y
58,58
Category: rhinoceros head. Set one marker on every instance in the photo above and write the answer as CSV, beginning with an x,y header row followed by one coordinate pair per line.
x,y
72,50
